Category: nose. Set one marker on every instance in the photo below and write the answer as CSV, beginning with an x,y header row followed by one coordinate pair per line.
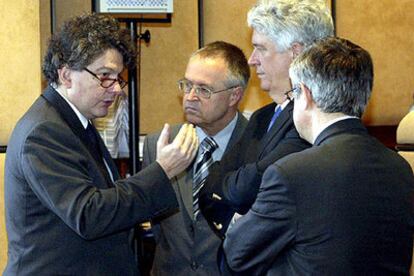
x,y
116,88
192,96
253,59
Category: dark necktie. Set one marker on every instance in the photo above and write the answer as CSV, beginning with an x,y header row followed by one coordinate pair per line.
x,y
93,142
202,164
274,117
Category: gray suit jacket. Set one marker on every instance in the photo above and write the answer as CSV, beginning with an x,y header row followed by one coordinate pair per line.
x,y
64,216
342,207
185,246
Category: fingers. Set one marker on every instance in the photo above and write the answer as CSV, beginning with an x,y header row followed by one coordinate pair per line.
x,y
177,156
188,143
194,145
179,139
164,137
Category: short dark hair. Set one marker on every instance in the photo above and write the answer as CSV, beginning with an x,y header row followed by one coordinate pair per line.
x,y
239,71
339,73
84,38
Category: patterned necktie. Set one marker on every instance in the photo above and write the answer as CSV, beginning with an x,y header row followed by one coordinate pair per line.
x,y
202,164
274,117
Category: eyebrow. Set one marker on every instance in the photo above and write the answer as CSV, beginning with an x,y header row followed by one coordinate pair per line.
x,y
108,69
259,45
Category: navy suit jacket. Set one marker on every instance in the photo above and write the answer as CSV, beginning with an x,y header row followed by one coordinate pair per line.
x,y
342,207
64,216
233,183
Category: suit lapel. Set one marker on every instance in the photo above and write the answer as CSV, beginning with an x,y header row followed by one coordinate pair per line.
x,y
275,135
66,113
182,182
186,194
185,179
69,116
238,131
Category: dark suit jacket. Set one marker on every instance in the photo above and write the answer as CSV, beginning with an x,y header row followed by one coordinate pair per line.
x,y
342,207
233,183
63,215
185,246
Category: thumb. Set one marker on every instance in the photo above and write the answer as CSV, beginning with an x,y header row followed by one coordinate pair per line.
x,y
164,136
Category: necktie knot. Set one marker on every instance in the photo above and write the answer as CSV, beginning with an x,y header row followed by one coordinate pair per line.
x,y
208,144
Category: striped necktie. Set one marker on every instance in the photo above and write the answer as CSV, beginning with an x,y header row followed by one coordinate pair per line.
x,y
203,162
274,117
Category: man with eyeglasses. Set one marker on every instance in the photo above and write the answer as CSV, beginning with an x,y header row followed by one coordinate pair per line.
x,y
212,87
67,210
342,207
281,30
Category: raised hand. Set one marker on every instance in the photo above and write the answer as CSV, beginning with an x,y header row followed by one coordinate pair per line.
x,y
177,156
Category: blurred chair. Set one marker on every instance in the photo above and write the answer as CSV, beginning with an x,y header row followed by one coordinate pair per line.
x,y
405,138
405,145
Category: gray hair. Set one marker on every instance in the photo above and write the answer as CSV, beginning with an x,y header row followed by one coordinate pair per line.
x,y
238,70
338,73
288,21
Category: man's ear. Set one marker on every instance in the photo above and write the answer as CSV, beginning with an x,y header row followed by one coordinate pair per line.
x,y
65,77
297,48
236,96
307,94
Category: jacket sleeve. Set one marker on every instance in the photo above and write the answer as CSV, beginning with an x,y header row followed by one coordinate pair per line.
x,y
232,185
267,228
62,175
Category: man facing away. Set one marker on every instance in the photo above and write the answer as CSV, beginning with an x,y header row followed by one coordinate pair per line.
x,y
342,207
67,211
213,86
281,29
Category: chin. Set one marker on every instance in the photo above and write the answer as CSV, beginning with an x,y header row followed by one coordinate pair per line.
x,y
265,87
194,121
101,114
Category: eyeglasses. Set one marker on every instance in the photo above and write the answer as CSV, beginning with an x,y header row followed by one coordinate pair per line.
x,y
290,94
186,86
107,82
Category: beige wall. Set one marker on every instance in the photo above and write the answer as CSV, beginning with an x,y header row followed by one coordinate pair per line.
x,y
163,62
3,236
385,29
20,59
226,20
20,77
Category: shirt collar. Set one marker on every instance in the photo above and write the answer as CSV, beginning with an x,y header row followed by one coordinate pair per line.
x,y
222,137
82,118
331,122
282,105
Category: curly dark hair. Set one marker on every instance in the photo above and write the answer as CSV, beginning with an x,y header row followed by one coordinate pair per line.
x,y
84,38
